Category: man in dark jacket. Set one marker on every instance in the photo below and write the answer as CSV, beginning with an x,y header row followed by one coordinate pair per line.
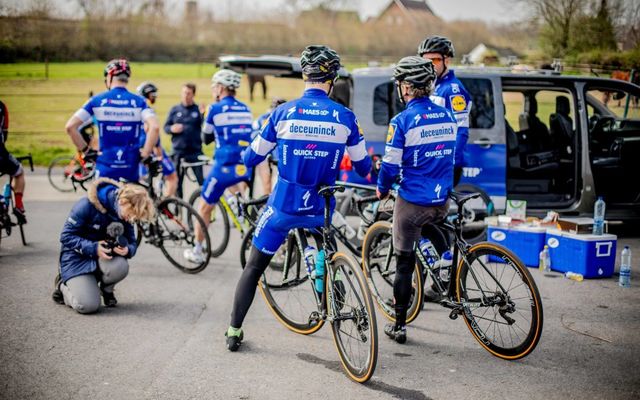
x,y
183,124
97,239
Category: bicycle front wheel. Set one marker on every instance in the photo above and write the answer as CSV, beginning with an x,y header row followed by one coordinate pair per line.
x,y
60,172
379,266
219,227
352,317
176,229
501,302
288,291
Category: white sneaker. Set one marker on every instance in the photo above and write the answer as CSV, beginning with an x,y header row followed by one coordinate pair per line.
x,y
196,257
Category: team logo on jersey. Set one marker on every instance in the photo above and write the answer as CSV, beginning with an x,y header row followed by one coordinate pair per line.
x,y
458,103
119,154
416,119
360,131
194,114
290,111
390,133
437,190
241,170
336,115
306,197
265,122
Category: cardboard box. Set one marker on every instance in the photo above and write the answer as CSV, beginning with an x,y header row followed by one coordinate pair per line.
x,y
578,225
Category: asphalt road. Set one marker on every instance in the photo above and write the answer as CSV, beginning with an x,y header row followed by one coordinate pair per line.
x,y
165,338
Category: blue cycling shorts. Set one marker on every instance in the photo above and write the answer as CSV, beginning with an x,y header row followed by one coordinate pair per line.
x,y
220,178
129,174
273,226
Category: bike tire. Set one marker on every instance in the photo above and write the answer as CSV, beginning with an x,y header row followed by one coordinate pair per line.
x,y
502,263
176,224
218,232
475,230
282,287
57,174
379,270
353,318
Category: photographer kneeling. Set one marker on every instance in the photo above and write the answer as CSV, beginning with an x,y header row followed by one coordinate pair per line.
x,y
97,239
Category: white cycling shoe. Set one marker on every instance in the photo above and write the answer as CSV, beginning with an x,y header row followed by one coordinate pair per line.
x,y
196,257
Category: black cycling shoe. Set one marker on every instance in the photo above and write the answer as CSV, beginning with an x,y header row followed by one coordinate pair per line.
x,y
109,299
57,293
397,334
234,341
20,216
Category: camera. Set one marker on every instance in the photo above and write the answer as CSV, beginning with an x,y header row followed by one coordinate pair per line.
x,y
115,236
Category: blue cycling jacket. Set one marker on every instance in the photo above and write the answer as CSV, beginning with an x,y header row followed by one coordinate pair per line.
x,y
229,123
452,95
421,145
257,127
119,115
310,134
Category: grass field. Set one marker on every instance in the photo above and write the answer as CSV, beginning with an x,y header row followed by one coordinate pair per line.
x,y
39,107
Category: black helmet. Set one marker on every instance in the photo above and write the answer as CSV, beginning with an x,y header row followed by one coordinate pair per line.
x,y
147,89
416,70
319,64
117,67
437,44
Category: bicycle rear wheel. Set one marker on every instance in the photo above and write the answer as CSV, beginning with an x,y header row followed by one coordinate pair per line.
x,y
352,317
502,305
219,227
176,229
288,291
60,172
379,266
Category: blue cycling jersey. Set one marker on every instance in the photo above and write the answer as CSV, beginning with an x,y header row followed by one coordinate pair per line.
x,y
119,115
310,134
451,94
257,127
421,144
229,123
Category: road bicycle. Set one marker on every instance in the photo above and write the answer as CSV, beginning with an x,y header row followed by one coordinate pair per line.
x,y
66,173
7,206
487,285
289,288
173,230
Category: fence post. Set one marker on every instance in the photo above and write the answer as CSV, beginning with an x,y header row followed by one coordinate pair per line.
x,y
46,68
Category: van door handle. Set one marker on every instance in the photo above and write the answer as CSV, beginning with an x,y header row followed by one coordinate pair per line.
x,y
484,142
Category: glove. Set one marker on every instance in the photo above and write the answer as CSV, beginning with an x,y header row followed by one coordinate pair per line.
x,y
90,155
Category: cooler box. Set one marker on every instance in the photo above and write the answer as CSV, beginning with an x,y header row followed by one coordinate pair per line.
x,y
526,242
593,256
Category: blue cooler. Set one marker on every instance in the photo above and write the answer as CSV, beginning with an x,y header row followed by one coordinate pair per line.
x,y
526,242
593,256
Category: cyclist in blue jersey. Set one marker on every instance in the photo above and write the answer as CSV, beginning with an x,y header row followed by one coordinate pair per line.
x,y
150,92
449,92
421,144
228,123
120,116
310,134
263,170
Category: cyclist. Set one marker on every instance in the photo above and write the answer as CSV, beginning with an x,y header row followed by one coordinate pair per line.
x,y
12,167
184,124
150,92
119,115
449,92
97,239
264,169
310,134
228,123
420,149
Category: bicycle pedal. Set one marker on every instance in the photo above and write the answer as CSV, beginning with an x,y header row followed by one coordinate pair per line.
x,y
454,314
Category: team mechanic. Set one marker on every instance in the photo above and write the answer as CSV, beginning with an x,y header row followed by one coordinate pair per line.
x,y
229,124
310,134
120,115
449,92
421,144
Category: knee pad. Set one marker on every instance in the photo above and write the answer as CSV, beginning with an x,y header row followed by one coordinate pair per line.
x,y
114,270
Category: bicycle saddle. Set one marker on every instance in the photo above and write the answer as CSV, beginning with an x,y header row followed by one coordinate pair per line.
x,y
461,198
328,191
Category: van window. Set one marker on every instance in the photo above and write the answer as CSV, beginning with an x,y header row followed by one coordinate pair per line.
x,y
614,103
483,115
386,103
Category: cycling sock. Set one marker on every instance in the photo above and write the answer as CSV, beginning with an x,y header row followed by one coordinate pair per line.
x,y
246,289
198,247
18,197
402,285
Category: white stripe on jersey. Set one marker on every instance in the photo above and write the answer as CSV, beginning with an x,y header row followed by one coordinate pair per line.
x,y
233,118
117,114
262,146
83,115
426,134
462,119
392,155
316,131
440,101
147,113
357,152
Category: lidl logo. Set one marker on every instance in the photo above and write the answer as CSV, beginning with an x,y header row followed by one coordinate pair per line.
x,y
458,103
390,133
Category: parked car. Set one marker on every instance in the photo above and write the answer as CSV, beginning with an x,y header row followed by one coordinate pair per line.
x,y
556,141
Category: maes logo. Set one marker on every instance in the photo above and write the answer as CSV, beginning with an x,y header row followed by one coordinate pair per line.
x,y
458,103
305,111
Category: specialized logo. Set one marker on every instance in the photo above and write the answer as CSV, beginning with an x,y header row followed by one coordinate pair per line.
x,y
391,133
289,111
458,103
306,197
336,115
119,154
416,119
437,190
